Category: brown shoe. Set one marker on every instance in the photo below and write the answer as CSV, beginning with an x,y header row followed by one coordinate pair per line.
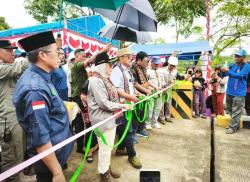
x,y
106,177
114,174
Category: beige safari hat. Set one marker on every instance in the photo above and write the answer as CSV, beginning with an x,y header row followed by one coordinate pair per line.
x,y
124,51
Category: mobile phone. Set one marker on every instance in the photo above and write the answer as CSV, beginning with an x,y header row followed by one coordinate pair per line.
x,y
150,176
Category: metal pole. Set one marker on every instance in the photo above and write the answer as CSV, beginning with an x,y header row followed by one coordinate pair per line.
x,y
208,68
61,15
208,20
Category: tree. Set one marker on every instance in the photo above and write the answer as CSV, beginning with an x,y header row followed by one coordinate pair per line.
x,y
232,23
42,9
179,14
159,40
3,24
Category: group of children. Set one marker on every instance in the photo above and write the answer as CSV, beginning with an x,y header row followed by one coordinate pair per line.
x,y
216,85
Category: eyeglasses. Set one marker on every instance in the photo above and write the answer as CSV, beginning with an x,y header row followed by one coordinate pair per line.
x,y
146,60
127,55
57,52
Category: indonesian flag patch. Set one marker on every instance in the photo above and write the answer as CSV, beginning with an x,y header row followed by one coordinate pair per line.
x,y
38,105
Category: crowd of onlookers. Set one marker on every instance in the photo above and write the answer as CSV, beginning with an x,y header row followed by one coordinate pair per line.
x,y
101,86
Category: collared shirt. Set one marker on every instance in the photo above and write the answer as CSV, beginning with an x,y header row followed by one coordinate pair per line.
x,y
99,105
59,79
139,74
237,82
168,75
9,73
67,68
79,76
118,80
42,114
156,78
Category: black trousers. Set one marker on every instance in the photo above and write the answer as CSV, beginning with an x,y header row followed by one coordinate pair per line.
x,y
94,139
128,141
44,177
247,104
78,123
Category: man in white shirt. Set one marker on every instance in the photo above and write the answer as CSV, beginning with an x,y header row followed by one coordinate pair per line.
x,y
170,74
124,82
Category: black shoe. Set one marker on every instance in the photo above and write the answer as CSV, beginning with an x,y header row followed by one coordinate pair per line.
x,y
169,120
90,158
65,166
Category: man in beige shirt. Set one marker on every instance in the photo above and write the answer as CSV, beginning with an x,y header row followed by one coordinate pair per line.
x,y
11,141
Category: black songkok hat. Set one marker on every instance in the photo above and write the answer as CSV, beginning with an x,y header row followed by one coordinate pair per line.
x,y
36,41
5,44
104,58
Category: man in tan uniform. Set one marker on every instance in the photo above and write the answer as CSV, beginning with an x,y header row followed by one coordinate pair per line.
x,y
11,140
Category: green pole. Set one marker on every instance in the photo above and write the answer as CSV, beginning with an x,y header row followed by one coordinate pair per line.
x,y
61,15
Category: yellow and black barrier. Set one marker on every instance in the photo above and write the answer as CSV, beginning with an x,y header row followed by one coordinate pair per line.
x,y
182,100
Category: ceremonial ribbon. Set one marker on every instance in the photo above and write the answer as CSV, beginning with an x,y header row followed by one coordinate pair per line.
x,y
47,152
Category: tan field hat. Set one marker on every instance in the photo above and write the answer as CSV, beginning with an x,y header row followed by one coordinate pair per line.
x,y
124,51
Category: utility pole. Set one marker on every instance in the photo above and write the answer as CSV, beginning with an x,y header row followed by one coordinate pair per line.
x,y
208,20
209,63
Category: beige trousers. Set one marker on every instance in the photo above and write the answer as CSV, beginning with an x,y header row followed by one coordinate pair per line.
x,y
104,153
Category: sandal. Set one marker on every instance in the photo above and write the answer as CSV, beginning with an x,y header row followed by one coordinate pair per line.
x,y
90,159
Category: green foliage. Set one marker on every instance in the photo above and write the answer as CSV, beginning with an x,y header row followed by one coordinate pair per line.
x,y
231,24
183,65
3,24
159,40
179,13
41,9
221,60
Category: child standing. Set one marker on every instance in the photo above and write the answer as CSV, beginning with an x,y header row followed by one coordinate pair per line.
x,y
199,85
218,82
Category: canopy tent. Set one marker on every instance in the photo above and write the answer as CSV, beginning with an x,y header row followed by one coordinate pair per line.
x,y
76,33
187,50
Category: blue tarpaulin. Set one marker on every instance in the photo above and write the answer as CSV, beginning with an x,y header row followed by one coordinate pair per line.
x,y
88,26
187,50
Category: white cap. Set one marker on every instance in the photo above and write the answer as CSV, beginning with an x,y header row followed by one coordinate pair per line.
x,y
173,60
71,55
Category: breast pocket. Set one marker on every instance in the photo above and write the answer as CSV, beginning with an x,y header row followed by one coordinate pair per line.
x,y
57,105
58,113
